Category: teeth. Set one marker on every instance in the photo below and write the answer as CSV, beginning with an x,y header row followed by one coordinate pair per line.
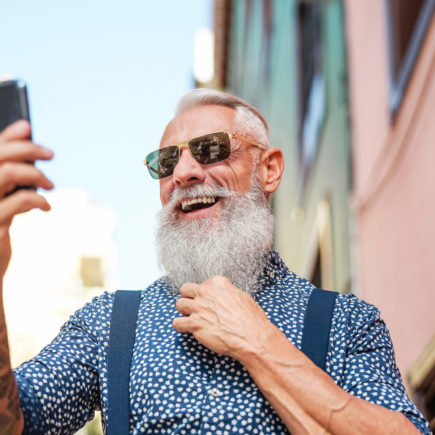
x,y
204,200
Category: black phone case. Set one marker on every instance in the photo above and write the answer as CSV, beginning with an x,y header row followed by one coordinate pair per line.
x,y
14,103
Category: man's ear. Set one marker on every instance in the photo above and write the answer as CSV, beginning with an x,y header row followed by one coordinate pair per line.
x,y
272,166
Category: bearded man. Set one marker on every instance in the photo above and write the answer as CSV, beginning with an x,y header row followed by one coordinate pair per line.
x,y
218,338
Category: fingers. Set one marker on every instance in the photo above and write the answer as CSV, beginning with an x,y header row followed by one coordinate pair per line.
x,y
16,131
189,290
21,174
15,147
217,284
24,151
182,324
20,202
15,154
184,306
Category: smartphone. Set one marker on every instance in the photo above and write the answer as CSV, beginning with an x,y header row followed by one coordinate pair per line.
x,y
14,105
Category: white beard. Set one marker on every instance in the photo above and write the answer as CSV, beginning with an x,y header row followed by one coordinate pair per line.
x,y
234,244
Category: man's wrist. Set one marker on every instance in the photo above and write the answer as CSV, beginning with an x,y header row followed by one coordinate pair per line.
x,y
260,352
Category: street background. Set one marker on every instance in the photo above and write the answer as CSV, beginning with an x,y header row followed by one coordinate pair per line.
x,y
348,89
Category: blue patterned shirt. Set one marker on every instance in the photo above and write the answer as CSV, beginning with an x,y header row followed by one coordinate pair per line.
x,y
179,386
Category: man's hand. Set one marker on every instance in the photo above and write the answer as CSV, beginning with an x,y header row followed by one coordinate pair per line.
x,y
228,321
16,151
222,317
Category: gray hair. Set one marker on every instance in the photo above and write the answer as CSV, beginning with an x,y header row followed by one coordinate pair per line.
x,y
248,119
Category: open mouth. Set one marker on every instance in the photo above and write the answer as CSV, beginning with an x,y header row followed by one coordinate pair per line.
x,y
194,204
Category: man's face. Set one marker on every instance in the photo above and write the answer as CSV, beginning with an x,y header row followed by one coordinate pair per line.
x,y
233,173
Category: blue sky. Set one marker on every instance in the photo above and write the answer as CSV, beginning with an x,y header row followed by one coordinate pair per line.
x,y
104,79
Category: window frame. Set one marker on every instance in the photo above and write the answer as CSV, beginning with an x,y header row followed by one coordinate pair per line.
x,y
311,121
399,82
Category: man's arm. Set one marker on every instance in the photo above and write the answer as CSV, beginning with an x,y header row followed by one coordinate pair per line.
x,y
15,151
281,372
60,386
11,417
230,322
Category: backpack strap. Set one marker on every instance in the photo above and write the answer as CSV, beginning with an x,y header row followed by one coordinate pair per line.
x,y
121,342
317,324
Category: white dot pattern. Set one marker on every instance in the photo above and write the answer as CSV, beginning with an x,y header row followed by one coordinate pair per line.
x,y
179,386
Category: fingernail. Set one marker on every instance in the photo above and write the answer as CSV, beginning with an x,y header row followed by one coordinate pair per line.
x,y
47,152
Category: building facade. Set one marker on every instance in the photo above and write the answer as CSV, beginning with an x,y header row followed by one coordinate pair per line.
x,y
391,50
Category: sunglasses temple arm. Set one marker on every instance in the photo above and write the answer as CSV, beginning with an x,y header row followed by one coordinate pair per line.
x,y
244,139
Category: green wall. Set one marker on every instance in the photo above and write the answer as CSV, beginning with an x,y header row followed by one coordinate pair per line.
x,y
269,79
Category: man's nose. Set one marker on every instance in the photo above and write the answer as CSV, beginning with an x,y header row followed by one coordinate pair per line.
x,y
188,170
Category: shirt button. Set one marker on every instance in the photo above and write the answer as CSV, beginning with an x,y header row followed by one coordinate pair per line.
x,y
272,274
215,392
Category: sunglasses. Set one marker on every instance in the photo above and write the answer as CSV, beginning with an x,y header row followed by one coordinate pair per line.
x,y
208,149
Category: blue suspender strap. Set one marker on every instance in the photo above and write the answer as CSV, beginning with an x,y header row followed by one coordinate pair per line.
x,y
315,342
121,341
317,324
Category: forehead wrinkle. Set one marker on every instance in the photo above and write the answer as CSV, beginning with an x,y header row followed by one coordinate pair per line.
x,y
198,121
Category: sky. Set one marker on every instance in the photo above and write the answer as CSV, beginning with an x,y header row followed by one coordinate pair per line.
x,y
103,81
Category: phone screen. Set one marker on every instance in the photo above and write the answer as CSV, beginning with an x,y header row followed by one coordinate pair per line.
x,y
13,102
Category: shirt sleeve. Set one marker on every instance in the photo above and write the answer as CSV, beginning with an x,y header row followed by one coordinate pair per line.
x,y
59,388
370,370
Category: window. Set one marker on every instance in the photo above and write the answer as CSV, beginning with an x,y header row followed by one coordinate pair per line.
x,y
91,271
407,25
319,265
312,95
316,275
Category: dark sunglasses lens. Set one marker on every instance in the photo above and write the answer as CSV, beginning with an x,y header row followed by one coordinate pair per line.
x,y
211,148
161,163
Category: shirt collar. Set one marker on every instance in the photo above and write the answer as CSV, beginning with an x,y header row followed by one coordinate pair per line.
x,y
274,271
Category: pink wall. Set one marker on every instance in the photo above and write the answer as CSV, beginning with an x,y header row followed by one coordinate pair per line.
x,y
394,176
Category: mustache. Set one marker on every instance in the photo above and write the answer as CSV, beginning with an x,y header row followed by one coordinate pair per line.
x,y
197,190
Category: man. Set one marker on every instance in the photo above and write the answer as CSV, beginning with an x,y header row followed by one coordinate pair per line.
x,y
217,339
